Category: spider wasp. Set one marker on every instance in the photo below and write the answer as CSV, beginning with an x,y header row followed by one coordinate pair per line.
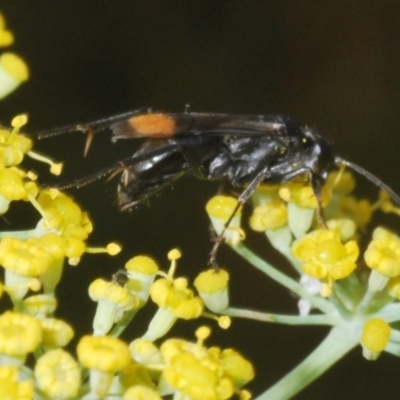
x,y
243,149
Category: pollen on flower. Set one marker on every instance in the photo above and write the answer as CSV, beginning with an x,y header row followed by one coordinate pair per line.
x,y
174,254
19,121
203,333
201,373
224,322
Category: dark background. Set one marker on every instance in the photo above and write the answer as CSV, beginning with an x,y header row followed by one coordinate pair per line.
x,y
333,65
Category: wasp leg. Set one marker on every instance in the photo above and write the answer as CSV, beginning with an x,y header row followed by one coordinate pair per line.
x,y
118,166
316,184
241,200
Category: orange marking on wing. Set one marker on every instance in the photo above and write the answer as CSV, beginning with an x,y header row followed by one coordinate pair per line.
x,y
158,125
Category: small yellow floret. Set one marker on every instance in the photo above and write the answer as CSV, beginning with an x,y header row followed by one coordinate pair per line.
x,y
20,334
40,305
141,392
56,333
237,367
104,353
101,290
142,264
24,257
58,375
383,253
303,195
376,334
341,182
145,352
211,281
11,388
221,207
271,215
325,257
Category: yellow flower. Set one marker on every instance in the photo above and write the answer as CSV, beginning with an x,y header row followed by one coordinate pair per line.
x,y
113,301
40,305
303,195
383,253
177,297
20,334
213,289
141,271
271,215
145,352
136,375
220,209
202,373
360,211
10,388
325,257
64,215
375,337
104,356
104,353
56,333
341,182
13,185
140,392
24,257
58,375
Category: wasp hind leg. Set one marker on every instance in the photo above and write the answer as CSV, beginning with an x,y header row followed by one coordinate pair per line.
x,y
245,195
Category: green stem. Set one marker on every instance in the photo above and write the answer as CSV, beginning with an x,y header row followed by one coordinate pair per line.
x,y
331,349
282,279
320,319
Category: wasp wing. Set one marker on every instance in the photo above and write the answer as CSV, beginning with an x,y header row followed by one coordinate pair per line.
x,y
157,125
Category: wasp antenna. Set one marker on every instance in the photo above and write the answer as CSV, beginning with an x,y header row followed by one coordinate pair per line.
x,y
372,178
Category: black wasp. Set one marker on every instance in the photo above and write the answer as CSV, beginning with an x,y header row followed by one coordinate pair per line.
x,y
243,149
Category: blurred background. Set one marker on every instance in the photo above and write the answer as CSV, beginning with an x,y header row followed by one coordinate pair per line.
x,y
332,65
